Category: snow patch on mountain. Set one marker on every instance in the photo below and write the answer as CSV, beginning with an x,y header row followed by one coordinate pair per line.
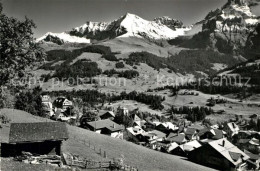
x,y
235,17
65,37
219,66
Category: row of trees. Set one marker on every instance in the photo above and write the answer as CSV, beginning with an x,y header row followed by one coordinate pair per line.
x,y
187,61
94,97
129,74
80,69
154,101
193,113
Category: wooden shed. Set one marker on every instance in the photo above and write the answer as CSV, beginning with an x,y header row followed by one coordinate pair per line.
x,y
36,138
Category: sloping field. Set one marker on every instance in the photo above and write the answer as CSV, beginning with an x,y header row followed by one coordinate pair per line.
x,y
133,44
138,156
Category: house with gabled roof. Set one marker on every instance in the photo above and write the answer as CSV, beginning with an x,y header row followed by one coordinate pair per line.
x,y
252,145
107,115
179,139
254,160
191,145
106,127
209,133
184,149
191,133
231,129
133,132
166,127
137,121
62,103
220,154
36,138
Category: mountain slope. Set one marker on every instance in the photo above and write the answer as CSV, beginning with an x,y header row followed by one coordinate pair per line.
x,y
225,29
128,25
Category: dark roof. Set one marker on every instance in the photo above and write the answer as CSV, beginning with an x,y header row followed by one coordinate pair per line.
x,y
159,134
171,135
243,141
135,117
178,139
251,155
203,131
37,132
190,131
107,123
218,133
197,127
108,114
235,156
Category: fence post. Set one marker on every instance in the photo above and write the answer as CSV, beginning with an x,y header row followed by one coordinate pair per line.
x,y
100,152
105,154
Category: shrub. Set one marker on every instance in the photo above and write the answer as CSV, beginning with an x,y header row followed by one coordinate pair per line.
x,y
110,57
120,65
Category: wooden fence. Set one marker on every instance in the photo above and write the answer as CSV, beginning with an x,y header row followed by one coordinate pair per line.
x,y
104,164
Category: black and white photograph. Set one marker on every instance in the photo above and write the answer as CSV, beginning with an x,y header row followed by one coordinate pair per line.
x,y
129,85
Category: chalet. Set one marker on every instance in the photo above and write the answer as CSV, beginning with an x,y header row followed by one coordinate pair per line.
x,y
133,132
231,129
137,121
191,133
167,127
36,138
171,147
189,146
253,161
152,138
160,135
184,149
107,115
62,103
251,145
179,139
178,151
106,127
208,133
59,115
220,154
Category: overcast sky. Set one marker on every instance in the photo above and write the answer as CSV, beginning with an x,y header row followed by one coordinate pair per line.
x,y
62,15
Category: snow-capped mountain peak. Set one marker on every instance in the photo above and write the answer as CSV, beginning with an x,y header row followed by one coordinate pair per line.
x,y
137,26
127,25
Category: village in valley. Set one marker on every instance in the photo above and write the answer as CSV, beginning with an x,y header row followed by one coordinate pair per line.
x,y
232,144
130,94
